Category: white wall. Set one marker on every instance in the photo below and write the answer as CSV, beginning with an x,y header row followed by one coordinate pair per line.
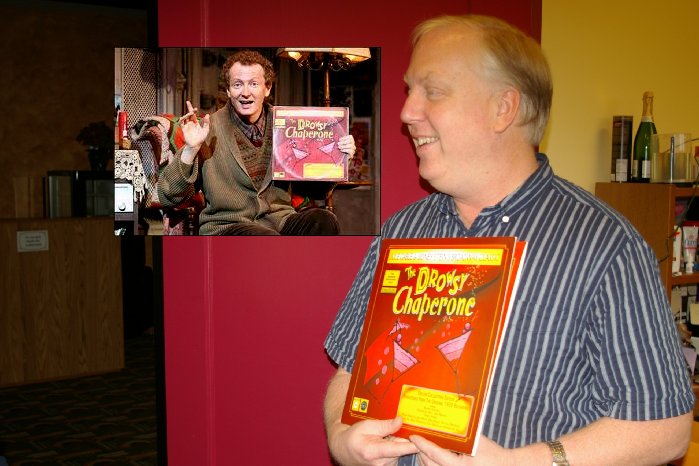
x,y
603,55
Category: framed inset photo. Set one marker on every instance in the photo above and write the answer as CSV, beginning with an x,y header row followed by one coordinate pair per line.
x,y
151,93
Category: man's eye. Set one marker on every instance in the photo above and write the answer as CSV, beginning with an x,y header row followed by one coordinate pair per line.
x,y
237,85
254,84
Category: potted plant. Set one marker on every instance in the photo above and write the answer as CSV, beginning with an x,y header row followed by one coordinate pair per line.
x,y
99,140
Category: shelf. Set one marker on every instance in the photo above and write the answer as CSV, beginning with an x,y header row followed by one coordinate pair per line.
x,y
650,207
684,279
683,191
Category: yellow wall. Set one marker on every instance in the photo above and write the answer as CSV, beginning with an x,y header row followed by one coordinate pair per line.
x,y
603,55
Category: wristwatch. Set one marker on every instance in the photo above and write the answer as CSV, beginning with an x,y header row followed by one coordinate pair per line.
x,y
559,454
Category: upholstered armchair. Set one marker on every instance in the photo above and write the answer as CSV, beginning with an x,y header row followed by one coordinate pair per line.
x,y
157,138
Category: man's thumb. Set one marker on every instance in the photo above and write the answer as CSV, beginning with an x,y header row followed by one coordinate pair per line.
x,y
391,426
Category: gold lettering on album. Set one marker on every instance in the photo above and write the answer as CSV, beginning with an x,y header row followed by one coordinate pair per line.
x,y
416,301
310,129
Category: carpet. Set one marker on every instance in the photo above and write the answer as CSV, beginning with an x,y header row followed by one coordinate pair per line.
x,y
98,420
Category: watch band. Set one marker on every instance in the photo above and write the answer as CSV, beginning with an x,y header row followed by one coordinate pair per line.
x,y
559,454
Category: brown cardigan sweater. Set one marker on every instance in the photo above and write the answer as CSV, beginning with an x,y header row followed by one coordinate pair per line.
x,y
231,196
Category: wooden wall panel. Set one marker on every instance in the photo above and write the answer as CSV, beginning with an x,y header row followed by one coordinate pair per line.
x,y
66,315
103,330
40,313
73,43
11,323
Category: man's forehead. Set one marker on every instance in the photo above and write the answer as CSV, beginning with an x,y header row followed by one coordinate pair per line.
x,y
442,47
418,75
241,71
447,37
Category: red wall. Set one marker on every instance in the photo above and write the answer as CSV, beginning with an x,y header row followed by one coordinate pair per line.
x,y
245,318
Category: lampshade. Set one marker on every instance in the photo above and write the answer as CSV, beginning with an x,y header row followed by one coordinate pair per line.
x,y
352,55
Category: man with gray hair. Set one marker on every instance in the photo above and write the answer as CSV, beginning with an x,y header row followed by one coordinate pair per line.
x,y
590,371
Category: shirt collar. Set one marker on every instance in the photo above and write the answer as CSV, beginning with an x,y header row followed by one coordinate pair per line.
x,y
255,131
513,202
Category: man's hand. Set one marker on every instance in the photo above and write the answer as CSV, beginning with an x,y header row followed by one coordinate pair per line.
x,y
347,146
194,133
488,452
368,443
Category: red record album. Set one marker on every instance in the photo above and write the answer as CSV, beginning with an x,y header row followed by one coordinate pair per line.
x,y
305,141
431,335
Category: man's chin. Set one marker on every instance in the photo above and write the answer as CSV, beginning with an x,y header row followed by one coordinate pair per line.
x,y
427,174
246,114
430,177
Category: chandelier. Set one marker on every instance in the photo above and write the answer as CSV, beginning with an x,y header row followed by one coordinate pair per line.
x,y
326,60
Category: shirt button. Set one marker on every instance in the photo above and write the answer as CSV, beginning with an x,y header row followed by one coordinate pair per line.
x,y
505,219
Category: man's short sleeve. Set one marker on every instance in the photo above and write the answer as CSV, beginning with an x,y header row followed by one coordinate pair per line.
x,y
341,343
642,372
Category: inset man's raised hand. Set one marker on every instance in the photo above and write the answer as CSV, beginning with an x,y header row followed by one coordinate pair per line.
x,y
194,131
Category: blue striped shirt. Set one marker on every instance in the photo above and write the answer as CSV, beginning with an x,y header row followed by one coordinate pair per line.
x,y
591,333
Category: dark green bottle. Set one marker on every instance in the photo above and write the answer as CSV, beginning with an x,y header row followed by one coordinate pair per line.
x,y
640,171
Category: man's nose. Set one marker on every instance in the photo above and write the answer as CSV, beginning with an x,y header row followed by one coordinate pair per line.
x,y
411,109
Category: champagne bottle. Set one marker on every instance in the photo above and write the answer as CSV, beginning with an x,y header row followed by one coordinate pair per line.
x,y
641,143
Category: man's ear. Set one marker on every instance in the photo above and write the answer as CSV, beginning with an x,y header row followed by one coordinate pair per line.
x,y
268,91
507,108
